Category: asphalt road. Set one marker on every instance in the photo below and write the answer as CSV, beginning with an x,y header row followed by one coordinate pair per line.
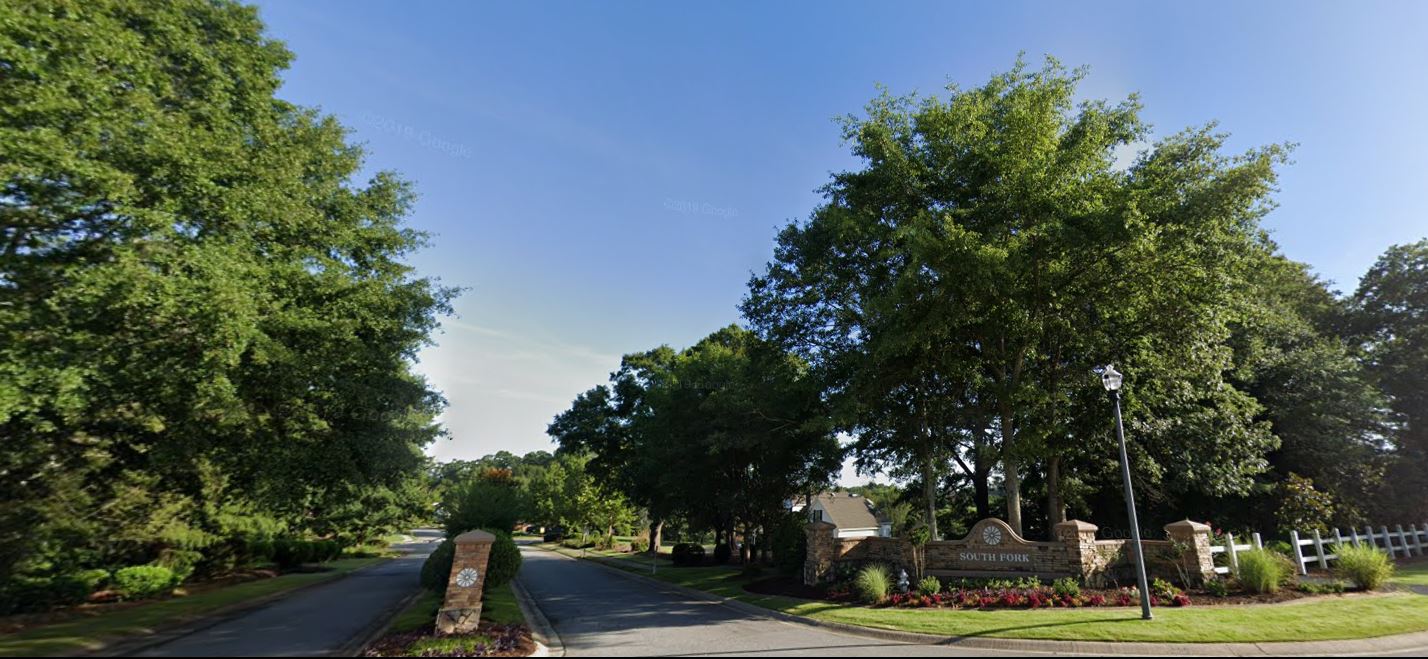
x,y
597,613
313,622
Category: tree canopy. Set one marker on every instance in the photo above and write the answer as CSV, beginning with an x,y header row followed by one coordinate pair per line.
x,y
203,314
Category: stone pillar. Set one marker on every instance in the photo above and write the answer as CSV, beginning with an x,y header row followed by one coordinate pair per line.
x,y
1080,540
461,612
1196,558
822,547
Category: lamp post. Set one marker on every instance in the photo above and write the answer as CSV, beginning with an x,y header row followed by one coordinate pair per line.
x,y
1111,379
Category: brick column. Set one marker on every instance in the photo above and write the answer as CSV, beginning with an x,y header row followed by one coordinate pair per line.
x,y
822,545
461,612
1080,540
1196,557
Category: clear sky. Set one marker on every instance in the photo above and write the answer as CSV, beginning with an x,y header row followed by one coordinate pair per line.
x,y
603,177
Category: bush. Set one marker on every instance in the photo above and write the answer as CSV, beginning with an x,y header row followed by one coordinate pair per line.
x,y
144,581
929,586
1365,567
872,584
65,589
1066,587
1164,589
639,546
436,571
481,504
504,562
790,544
688,554
1217,587
1264,571
182,562
722,553
260,550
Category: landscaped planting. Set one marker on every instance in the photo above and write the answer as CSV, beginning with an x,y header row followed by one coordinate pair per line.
x,y
1368,568
1029,594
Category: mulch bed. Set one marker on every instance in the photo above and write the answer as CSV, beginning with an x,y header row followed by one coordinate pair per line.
x,y
795,588
509,641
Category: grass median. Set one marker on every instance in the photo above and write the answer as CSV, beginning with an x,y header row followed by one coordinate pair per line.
x,y
1344,617
97,628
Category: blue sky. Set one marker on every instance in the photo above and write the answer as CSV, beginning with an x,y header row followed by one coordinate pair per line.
x,y
603,177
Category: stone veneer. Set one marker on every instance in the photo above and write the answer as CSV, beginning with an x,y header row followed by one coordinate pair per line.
x,y
991,549
461,611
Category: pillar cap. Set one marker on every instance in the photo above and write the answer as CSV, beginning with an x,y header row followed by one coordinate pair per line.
x,y
477,537
1077,525
1187,525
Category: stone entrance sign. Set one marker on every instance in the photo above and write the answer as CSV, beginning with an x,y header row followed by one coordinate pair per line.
x,y
461,612
991,549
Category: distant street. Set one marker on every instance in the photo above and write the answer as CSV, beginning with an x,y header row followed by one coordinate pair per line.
x,y
315,622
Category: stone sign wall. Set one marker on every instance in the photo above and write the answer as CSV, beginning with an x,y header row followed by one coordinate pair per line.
x,y
992,549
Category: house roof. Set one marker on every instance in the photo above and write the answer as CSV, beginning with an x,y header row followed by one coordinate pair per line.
x,y
847,511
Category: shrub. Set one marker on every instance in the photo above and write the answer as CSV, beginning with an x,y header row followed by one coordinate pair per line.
x,y
1263,571
182,562
436,571
1365,567
484,503
929,586
1217,587
1164,589
687,554
790,544
65,589
504,562
144,581
639,545
1066,587
722,553
873,583
260,550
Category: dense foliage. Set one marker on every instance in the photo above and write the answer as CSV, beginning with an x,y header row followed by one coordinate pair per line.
x,y
721,435
206,327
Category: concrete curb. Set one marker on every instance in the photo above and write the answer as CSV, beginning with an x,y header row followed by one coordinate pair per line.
x,y
545,636
133,644
1367,646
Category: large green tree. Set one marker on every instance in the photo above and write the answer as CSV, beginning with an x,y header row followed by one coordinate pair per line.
x,y
189,276
1390,322
961,285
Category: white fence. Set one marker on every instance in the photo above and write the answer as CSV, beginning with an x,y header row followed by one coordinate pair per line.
x,y
1397,542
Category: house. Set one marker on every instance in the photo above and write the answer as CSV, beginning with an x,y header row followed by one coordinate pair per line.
x,y
852,514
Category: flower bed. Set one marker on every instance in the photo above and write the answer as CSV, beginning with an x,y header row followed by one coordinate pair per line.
x,y
489,641
1027,598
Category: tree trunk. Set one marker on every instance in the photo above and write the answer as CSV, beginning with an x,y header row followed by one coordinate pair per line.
x,y
656,534
1011,469
983,491
1056,509
929,492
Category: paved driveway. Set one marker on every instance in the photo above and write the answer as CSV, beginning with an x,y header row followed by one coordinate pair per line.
x,y
598,613
313,622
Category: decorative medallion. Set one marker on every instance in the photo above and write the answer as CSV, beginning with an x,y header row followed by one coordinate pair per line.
x,y
467,577
992,535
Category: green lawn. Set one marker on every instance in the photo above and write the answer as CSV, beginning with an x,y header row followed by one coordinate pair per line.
x,y
498,606
1412,574
92,632
1335,618
1346,617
